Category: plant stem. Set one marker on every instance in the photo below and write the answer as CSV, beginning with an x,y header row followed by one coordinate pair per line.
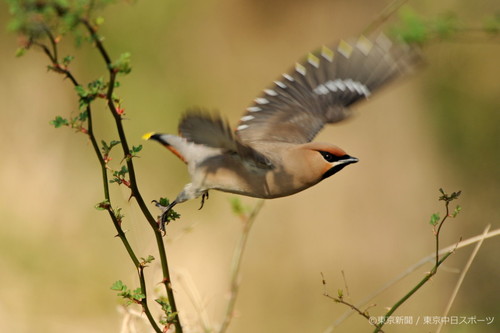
x,y
131,171
379,326
447,203
236,264
52,55
434,269
117,224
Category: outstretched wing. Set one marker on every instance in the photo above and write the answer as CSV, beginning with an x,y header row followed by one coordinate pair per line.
x,y
211,130
319,90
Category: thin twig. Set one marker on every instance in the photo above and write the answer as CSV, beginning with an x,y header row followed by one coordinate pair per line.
x,y
236,264
167,282
447,199
107,203
408,271
384,15
422,282
345,283
186,282
462,276
340,298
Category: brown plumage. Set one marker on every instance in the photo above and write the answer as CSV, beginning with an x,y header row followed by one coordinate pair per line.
x,y
270,154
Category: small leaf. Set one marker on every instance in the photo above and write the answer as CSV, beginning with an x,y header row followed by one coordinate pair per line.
x,y
123,171
135,149
67,60
122,65
164,202
412,28
172,214
137,294
434,219
147,260
81,91
20,51
59,121
118,286
456,211
103,205
113,143
99,20
83,115
237,206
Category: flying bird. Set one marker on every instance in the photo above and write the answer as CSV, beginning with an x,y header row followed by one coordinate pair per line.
x,y
271,153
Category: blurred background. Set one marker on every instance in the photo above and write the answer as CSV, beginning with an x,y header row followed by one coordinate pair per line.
x,y
436,128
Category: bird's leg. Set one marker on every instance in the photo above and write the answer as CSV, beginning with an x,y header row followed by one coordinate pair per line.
x,y
163,219
204,196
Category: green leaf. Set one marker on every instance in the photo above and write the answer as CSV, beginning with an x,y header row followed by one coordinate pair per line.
x,y
137,294
122,65
59,121
449,197
434,219
102,205
236,206
67,60
113,143
81,91
99,20
118,214
169,316
118,286
106,149
172,214
164,202
456,211
83,115
135,149
147,260
412,28
96,86
123,171
20,51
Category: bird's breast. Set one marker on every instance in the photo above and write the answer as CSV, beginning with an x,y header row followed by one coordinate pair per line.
x,y
231,174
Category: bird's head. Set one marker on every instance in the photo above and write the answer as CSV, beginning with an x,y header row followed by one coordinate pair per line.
x,y
321,160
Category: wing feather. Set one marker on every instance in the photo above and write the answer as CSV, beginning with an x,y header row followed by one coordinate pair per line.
x,y
319,90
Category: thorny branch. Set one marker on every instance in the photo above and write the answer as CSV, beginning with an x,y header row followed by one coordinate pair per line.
x,y
437,223
60,67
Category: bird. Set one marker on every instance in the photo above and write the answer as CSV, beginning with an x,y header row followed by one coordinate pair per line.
x,y
271,153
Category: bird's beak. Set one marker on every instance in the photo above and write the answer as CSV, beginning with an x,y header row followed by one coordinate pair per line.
x,y
348,160
339,165
148,135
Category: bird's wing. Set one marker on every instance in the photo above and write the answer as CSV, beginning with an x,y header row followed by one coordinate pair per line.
x,y
319,90
211,130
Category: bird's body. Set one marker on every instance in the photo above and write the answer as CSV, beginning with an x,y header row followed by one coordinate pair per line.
x,y
270,154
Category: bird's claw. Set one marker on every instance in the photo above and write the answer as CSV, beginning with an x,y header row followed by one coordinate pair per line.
x,y
203,197
163,218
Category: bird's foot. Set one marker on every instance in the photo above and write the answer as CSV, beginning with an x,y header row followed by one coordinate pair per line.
x,y
163,218
203,197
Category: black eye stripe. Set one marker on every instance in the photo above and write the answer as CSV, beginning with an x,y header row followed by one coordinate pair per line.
x,y
329,157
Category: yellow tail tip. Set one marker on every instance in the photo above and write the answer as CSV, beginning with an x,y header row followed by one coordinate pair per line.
x,y
148,135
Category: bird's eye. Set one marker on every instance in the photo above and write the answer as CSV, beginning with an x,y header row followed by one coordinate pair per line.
x,y
329,157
